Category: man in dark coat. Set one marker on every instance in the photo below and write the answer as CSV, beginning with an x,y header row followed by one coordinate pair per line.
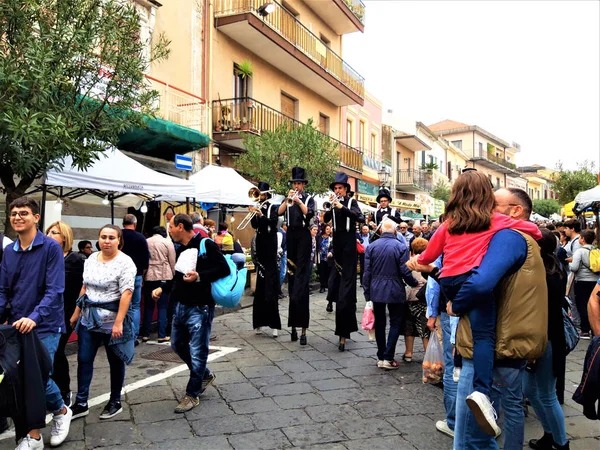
x,y
345,213
265,310
383,283
298,209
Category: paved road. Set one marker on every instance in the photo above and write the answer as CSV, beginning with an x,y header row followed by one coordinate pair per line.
x,y
272,393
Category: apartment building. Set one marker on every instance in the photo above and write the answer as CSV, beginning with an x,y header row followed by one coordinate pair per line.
x,y
280,62
362,129
539,181
488,153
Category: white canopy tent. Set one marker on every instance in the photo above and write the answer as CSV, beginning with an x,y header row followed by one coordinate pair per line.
x,y
216,184
117,172
589,196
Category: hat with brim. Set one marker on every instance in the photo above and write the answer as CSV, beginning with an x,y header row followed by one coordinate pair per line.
x,y
384,193
298,174
340,178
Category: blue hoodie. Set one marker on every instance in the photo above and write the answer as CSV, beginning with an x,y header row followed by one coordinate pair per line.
x,y
33,282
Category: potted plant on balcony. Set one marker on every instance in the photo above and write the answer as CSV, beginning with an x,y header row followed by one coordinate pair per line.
x,y
428,168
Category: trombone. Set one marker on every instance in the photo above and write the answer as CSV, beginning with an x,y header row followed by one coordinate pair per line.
x,y
290,200
334,198
254,194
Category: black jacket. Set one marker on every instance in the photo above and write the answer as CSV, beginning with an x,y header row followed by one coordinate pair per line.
x,y
27,365
588,392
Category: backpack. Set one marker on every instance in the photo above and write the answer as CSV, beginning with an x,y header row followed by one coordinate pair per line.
x,y
571,334
594,260
228,290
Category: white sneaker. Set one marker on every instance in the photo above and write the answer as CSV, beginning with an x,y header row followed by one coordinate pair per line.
x,y
29,443
275,333
442,425
456,374
60,427
484,413
257,331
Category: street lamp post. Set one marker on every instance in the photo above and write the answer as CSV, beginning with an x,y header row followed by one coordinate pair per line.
x,y
384,177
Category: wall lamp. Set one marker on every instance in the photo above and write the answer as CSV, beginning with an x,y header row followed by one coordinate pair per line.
x,y
266,9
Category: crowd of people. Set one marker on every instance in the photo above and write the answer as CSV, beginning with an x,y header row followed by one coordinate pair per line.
x,y
487,282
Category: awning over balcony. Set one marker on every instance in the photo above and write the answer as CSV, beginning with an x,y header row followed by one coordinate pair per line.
x,y
162,139
412,143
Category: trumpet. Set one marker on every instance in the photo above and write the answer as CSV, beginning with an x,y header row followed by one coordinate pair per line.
x,y
334,198
290,200
254,194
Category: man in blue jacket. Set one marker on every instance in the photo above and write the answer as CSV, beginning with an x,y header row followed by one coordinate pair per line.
x,y
385,271
32,281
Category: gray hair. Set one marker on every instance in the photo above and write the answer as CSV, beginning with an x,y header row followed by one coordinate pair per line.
x,y
129,219
197,218
388,226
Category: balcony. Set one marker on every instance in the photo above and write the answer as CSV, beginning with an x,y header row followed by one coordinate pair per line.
x,y
285,43
494,162
234,116
416,180
179,106
345,16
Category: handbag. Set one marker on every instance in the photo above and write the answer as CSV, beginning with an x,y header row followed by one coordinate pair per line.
x,y
571,334
360,248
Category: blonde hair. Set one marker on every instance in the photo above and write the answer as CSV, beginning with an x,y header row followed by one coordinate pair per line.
x,y
66,233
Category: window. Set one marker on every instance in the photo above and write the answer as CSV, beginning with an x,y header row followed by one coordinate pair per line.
x,y
324,124
497,182
349,132
361,135
374,149
289,106
480,147
457,144
242,86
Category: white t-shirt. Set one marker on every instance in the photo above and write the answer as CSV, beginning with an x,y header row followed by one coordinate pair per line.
x,y
6,242
106,282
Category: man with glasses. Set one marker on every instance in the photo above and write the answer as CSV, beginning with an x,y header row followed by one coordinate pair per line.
x,y
32,282
408,236
85,248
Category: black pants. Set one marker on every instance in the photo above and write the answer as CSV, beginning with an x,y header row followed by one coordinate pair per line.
x,y
324,270
60,372
583,290
387,349
298,254
361,261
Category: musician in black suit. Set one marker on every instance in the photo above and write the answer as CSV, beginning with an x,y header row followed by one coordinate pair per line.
x,y
344,213
265,311
299,209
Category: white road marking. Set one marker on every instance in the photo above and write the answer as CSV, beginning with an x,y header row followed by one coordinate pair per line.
x,y
221,351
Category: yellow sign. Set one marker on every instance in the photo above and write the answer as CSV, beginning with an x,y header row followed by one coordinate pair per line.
x,y
396,203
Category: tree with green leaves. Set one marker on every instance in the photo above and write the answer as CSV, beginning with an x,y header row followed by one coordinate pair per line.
x,y
71,81
546,207
568,183
270,156
441,191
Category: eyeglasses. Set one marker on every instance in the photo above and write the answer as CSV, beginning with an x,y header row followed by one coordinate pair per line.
x,y
403,228
21,214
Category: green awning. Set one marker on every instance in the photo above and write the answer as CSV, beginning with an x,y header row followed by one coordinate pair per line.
x,y
162,139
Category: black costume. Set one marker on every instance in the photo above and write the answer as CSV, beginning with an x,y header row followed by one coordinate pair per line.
x,y
265,310
391,213
342,279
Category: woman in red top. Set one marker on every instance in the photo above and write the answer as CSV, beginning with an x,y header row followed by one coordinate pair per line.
x,y
471,222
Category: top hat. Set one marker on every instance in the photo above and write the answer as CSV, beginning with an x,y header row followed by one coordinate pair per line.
x,y
298,174
263,187
384,193
340,178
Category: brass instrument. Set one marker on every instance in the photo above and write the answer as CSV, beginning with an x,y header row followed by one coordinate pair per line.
x,y
290,200
334,198
254,194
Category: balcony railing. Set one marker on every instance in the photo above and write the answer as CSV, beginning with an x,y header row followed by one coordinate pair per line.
x,y
290,28
358,9
179,106
496,159
234,115
420,178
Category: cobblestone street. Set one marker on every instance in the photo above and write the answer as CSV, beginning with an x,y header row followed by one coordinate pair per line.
x,y
273,393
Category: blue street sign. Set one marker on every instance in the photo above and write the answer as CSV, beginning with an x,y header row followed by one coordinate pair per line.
x,y
183,162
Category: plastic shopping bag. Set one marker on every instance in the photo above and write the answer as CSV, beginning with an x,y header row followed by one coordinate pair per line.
x,y
368,320
433,362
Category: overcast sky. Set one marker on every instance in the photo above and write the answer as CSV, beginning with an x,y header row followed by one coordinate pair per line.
x,y
528,72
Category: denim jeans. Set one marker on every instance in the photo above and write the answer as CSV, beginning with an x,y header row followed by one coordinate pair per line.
x,y
54,400
283,268
136,300
483,329
190,335
506,392
449,384
386,351
89,342
540,389
162,304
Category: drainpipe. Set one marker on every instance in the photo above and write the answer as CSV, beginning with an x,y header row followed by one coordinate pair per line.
x,y
208,59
